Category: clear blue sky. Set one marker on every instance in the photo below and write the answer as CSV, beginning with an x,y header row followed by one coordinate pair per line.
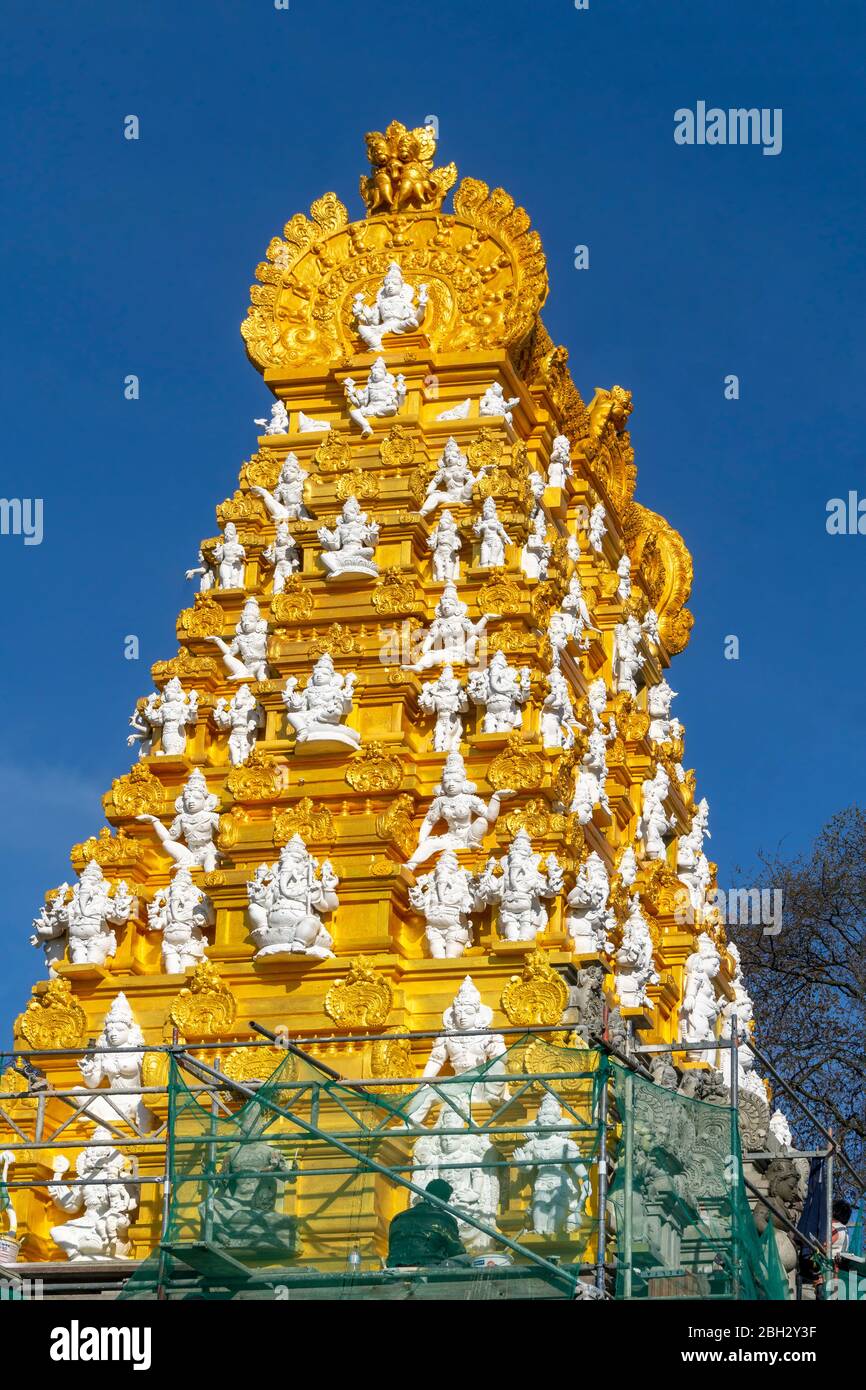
x,y
126,257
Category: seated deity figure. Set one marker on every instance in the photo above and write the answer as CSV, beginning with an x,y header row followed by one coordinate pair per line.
x,y
502,691
634,959
597,527
623,570
494,402
658,703
445,897
452,639
464,1048
283,555
230,558
519,889
654,823
466,1161
181,911
590,789
692,865
316,713
189,839
246,656
102,1204
207,577
446,698
453,481
350,547
286,502
492,535
115,1060
560,466
627,655
701,1007
382,397
535,557
82,923
445,544
242,716
455,802
561,1185
240,1209
589,920
558,719
171,711
308,425
278,422
393,310
287,901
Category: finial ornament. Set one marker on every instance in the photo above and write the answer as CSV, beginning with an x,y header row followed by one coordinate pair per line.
x,y
402,177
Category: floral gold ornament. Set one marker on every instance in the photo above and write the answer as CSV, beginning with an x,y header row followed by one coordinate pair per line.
x,y
206,1007
204,620
53,1018
121,850
337,639
188,669
396,593
360,483
260,778
258,1064
391,1058
313,823
397,449
397,824
537,996
333,454
374,770
294,604
516,767
362,1000
136,793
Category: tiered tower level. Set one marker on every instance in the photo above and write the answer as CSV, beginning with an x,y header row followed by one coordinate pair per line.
x,y
561,600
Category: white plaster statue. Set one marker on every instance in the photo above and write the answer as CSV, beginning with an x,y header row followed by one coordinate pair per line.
x,y
557,712
204,569
246,656
283,555
597,527
230,557
382,397
654,823
589,919
189,839
628,867
627,655
242,716
537,485
393,311
464,1048
492,535
104,1199
623,588
445,543
350,547
744,1008
535,557
288,901
84,922
115,1061
286,502
650,627
446,897
447,699
692,865
575,619
502,691
495,402
520,889
457,412
455,802
701,1008
465,1160
316,713
171,711
453,480
781,1131
561,1185
634,959
181,911
278,423
307,424
590,789
560,466
451,639
658,703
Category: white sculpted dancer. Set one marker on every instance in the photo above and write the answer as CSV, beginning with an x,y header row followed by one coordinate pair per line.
x,y
446,897
561,1185
455,802
393,310
350,547
172,711
316,713
557,712
181,911
520,889
288,901
463,1047
445,543
560,467
246,656
494,402
634,959
189,839
283,555
242,716
589,920
492,535
446,698
451,639
84,922
278,422
502,691
286,502
101,1203
382,397
453,481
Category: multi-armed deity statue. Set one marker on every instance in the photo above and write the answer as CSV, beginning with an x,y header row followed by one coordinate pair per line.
x,y
189,840
287,902
393,311
181,912
80,920
446,896
467,817
348,549
246,656
382,397
520,889
241,716
316,713
170,712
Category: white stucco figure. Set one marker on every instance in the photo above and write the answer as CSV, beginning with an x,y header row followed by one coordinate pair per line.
x,y
457,412
781,1131
242,716
277,422
623,588
230,558
286,502
83,923
560,467
597,527
535,557
451,639
561,1185
189,839
307,424
181,911
453,481
575,614
245,657
655,823
627,867
465,1048
495,402
205,572
650,627
393,311
116,1061
589,919
701,1007
102,1203
634,959
590,788
744,1008
446,898
537,485
447,699
557,712
382,397
283,555
627,655
350,547
287,902
658,704
466,816
502,691
692,865
520,889
466,1161
492,535
171,712
445,544
316,713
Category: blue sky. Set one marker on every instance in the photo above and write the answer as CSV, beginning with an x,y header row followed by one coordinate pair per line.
x,y
124,257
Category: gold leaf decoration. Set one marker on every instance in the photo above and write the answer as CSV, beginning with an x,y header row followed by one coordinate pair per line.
x,y
195,670
260,778
304,819
337,639
359,483
538,996
206,619
396,593
484,450
374,770
206,1007
294,604
402,177
251,1064
262,470
121,850
391,1057
397,449
499,596
333,454
516,768
137,793
230,828
397,823
53,1018
362,1000
240,507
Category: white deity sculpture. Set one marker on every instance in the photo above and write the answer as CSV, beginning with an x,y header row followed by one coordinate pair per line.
x,y
466,816
446,897
242,716
492,535
495,402
502,691
116,1060
634,959
590,789
575,614
465,1160
246,656
83,924
189,839
308,425
535,557
230,558
445,543
589,919
780,1129
288,901
350,547
627,655
650,627
627,867
101,1201
701,1007
382,397
286,502
655,823
658,704
623,588
457,412
278,422
561,1185
537,485
204,569
692,865
283,555
453,481
171,711
181,911
316,713
560,467
447,699
393,310
557,712
451,639
464,1047
520,889
742,1006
